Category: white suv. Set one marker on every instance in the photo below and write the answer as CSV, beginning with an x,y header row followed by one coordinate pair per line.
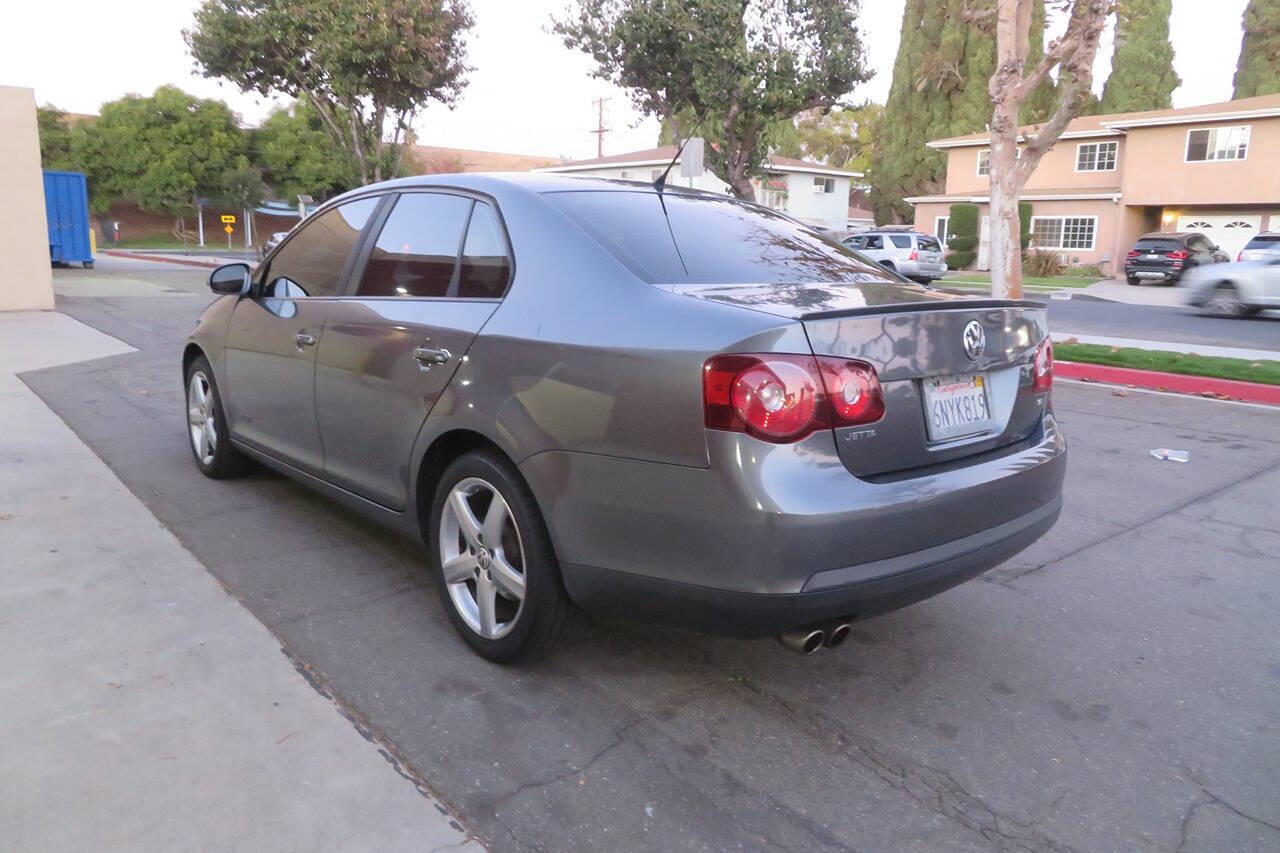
x,y
911,254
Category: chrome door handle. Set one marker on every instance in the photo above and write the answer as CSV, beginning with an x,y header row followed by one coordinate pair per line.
x,y
427,356
302,339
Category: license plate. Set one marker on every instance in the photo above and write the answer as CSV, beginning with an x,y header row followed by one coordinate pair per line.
x,y
956,406
1151,257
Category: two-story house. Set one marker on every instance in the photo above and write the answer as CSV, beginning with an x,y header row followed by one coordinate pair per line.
x,y
811,192
1112,178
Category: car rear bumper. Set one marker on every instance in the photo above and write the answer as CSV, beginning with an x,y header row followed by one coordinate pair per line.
x,y
920,269
1153,273
774,537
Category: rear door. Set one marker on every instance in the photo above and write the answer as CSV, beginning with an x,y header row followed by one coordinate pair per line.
x,y
425,285
270,352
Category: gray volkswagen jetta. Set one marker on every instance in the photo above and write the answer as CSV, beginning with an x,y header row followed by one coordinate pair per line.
x,y
593,395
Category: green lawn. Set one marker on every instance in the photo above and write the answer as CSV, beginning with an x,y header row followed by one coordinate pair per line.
x,y
967,277
1267,372
170,244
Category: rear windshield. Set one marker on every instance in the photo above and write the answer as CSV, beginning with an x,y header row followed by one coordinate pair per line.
x,y
708,240
929,244
1265,241
1154,245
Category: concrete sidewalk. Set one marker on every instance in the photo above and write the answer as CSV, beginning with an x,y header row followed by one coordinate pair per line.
x,y
1118,290
144,707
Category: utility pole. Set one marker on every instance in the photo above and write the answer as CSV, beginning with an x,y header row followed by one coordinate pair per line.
x,y
600,130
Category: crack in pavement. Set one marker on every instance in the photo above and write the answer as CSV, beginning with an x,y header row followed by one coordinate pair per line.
x,y
1212,493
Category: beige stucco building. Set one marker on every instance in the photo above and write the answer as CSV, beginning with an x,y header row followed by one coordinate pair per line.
x,y
26,281
1111,178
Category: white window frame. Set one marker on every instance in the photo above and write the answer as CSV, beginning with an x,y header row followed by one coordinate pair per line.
x,y
1093,242
1248,143
982,174
941,223
1115,159
823,185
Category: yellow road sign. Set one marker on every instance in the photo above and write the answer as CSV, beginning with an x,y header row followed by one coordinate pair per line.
x,y
228,229
229,219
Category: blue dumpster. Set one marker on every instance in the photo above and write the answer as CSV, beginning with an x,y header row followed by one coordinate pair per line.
x,y
66,203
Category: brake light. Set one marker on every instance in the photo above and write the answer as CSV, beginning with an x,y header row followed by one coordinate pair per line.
x,y
1042,368
1179,255
1133,253
914,256
1240,257
783,398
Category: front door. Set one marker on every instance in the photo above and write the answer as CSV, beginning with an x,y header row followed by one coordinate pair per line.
x,y
273,336
433,277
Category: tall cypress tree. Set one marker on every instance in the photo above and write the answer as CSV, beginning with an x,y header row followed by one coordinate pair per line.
x,y
939,89
1142,75
1258,71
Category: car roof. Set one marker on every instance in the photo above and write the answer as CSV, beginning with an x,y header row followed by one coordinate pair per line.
x,y
536,182
1170,235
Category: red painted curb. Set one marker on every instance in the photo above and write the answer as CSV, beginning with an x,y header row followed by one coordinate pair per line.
x,y
1251,392
190,262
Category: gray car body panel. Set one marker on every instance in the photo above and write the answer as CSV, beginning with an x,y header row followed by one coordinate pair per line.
x,y
591,381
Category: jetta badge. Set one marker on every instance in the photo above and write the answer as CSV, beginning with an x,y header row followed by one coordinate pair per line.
x,y
975,340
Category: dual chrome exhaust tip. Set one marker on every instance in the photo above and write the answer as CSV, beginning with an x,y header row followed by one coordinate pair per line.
x,y
806,641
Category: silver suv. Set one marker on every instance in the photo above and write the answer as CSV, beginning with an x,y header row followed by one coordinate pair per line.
x,y
911,254
1264,247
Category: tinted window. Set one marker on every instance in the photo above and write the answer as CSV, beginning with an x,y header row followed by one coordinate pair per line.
x,y
1267,241
1157,245
874,243
1199,242
853,242
312,262
417,250
708,240
929,244
485,265
902,241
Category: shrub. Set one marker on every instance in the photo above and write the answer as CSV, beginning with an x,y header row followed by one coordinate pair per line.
x,y
960,260
962,235
1041,264
1024,217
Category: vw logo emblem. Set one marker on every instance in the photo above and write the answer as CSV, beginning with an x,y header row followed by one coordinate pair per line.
x,y
975,340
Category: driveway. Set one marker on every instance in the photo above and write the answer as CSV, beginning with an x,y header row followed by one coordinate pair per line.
x,y
1114,687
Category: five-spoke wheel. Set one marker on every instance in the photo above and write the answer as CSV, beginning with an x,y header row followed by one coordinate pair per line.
x,y
207,424
482,558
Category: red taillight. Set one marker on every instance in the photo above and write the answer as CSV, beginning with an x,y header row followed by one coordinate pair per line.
x,y
1133,253
1042,368
1177,256
782,398
914,256
1240,257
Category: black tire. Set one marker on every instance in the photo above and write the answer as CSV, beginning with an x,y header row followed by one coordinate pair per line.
x,y
889,265
546,615
226,460
1133,282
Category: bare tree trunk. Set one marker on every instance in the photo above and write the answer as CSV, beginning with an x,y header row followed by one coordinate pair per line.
x,y
1010,86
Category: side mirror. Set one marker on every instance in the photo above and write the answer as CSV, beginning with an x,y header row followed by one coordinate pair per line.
x,y
230,278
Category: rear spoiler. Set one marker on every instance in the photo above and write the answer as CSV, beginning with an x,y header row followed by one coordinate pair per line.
x,y
960,304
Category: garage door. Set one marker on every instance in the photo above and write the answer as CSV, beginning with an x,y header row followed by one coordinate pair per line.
x,y
1229,232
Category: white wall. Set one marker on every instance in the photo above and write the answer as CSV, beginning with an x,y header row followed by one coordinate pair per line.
x,y
829,209
26,281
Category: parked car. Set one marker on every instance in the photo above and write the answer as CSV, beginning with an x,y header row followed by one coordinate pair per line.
x,y
674,406
276,238
1238,289
1264,247
911,254
1164,257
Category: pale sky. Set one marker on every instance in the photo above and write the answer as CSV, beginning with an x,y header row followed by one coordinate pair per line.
x,y
528,93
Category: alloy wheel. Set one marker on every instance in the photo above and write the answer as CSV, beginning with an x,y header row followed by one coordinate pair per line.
x,y
482,558
200,418
1226,300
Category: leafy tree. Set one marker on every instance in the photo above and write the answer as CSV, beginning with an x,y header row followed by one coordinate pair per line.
x,y
57,138
366,67
739,65
162,151
1142,75
939,89
299,157
1258,70
242,186
841,138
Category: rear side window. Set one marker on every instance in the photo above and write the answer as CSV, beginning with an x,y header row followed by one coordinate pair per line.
x,y
1265,241
929,244
311,264
902,241
1157,245
486,268
416,252
708,240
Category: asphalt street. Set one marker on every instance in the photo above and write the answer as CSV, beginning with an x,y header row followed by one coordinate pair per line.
x,y
1114,687
1159,323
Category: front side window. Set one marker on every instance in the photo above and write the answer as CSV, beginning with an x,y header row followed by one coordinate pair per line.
x,y
1064,232
875,242
681,238
416,253
984,162
311,263
1096,157
1218,143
